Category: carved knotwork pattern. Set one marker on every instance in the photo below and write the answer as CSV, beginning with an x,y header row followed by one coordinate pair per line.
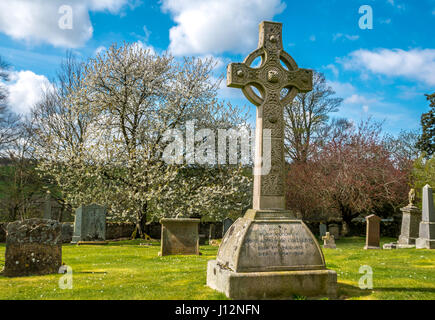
x,y
270,78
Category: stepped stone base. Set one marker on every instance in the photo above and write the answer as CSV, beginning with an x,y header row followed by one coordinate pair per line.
x,y
268,254
271,285
425,244
427,236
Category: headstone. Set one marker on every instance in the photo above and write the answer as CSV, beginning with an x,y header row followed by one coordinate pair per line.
x,y
426,238
373,232
334,229
33,247
328,241
322,229
211,232
67,232
269,253
47,206
90,223
227,223
179,236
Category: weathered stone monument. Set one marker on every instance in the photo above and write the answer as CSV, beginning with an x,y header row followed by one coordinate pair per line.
x,y
334,229
328,241
426,238
90,224
322,229
269,253
33,247
179,236
411,217
227,223
373,232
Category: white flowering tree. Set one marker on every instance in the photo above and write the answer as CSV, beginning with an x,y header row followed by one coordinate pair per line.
x,y
102,131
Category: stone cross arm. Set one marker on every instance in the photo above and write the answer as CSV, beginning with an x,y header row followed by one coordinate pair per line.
x,y
240,75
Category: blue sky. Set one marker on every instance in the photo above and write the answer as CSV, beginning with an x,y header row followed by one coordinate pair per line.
x,y
383,72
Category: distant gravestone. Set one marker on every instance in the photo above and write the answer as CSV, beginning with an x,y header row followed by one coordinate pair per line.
x,y
328,241
179,236
90,223
227,223
211,232
334,229
47,206
426,238
373,232
33,247
322,229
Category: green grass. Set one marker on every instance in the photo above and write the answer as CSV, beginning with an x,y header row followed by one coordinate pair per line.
x,y
126,270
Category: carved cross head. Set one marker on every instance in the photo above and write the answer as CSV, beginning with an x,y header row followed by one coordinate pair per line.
x,y
276,72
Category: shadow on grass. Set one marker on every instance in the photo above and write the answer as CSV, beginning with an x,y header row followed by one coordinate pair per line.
x,y
346,291
428,290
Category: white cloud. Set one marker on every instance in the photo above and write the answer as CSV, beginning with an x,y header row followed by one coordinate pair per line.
x,y
397,5
358,99
333,68
366,109
37,21
385,21
415,64
25,89
99,50
345,36
342,89
216,26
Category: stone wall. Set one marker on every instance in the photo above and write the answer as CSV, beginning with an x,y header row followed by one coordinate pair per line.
x,y
115,230
388,228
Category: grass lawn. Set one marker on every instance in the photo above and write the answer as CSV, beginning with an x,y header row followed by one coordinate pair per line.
x,y
127,270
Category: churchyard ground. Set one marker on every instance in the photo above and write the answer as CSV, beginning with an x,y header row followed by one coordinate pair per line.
x,y
128,270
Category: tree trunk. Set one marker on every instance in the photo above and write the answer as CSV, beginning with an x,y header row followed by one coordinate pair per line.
x,y
141,222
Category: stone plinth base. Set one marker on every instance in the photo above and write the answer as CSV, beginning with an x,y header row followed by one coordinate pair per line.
x,y
425,244
371,248
268,254
271,285
406,240
427,236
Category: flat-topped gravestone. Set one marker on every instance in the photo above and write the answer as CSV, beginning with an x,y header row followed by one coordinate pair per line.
x,y
89,223
373,232
426,238
179,236
33,247
322,230
269,253
227,223
328,241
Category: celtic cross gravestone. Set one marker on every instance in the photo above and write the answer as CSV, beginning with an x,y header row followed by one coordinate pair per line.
x,y
268,253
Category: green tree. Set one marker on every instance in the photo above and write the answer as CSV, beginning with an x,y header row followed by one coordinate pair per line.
x,y
423,173
101,134
426,142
